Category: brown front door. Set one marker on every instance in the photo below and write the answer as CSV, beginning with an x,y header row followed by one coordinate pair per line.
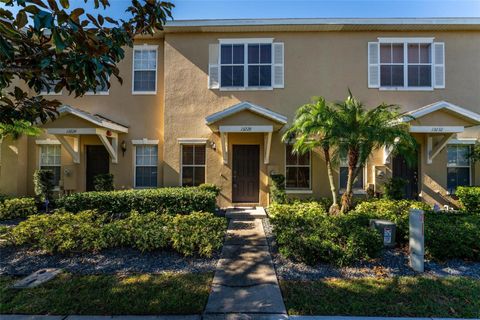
x,y
246,173
409,172
97,163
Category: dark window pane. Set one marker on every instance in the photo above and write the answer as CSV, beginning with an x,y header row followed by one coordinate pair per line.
x,y
397,76
413,53
226,54
419,76
199,173
187,154
146,177
413,76
266,53
397,53
253,76
386,76
425,53
237,76
265,76
253,53
291,177
238,54
56,170
144,81
303,179
199,154
357,184
457,177
187,176
385,53
291,157
226,74
304,159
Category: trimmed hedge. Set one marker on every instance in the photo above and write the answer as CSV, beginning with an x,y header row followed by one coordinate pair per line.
x,y
306,233
180,200
396,211
61,232
12,208
452,236
469,198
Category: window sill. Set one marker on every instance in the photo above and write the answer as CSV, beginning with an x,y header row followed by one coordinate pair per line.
x,y
299,191
246,88
144,93
101,93
406,88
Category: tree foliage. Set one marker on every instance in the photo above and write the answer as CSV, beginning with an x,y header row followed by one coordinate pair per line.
x,y
48,44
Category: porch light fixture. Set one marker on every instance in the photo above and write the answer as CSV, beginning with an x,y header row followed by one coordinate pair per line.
x,y
124,147
213,145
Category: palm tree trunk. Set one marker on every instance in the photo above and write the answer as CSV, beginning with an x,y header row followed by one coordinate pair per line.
x,y
334,208
347,197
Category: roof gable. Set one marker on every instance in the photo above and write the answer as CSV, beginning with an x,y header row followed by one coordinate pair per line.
x,y
95,119
443,105
246,105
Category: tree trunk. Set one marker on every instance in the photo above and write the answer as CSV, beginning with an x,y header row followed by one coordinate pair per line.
x,y
347,197
334,208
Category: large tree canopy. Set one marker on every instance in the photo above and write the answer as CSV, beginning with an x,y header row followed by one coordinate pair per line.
x,y
49,44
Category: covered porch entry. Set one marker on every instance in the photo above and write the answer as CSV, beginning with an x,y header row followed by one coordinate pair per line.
x,y
246,132
91,143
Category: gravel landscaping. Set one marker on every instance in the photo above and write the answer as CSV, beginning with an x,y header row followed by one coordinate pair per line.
x,y
392,263
23,261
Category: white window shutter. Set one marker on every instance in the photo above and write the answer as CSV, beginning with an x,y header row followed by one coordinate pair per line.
x,y
213,66
278,65
373,65
439,65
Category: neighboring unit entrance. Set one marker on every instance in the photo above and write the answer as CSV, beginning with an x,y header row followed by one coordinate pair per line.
x,y
401,169
246,173
97,163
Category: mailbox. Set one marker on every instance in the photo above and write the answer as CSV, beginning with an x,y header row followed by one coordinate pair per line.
x,y
387,229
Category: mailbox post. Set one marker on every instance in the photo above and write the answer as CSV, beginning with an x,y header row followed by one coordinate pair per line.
x,y
417,239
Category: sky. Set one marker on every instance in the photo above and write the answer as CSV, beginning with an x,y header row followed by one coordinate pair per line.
x,y
235,9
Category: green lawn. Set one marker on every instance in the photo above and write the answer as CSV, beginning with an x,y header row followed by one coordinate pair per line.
x,y
400,297
109,294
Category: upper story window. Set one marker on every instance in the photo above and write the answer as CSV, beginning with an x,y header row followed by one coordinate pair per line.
x,y
246,64
144,69
101,89
406,64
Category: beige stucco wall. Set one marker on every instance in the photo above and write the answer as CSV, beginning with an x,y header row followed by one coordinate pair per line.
x,y
316,63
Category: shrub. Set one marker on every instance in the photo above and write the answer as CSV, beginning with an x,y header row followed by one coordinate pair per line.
x,y
210,187
43,183
396,211
198,232
63,232
469,198
394,189
277,189
181,200
103,182
305,232
3,197
452,236
17,208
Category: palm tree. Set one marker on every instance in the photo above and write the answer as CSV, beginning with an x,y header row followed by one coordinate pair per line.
x,y
361,130
314,127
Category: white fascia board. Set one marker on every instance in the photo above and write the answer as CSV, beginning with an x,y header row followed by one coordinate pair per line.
x,y
245,129
47,141
145,46
407,39
192,140
324,21
93,119
437,129
245,40
444,105
144,141
462,141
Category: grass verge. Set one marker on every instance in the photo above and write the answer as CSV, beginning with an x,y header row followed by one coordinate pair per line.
x,y
166,293
401,297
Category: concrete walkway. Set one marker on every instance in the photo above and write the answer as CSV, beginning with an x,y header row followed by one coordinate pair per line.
x,y
245,285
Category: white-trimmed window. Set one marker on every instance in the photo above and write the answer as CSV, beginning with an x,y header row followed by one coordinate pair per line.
x,y
51,159
246,64
193,164
101,89
406,64
297,169
146,165
49,89
144,69
458,167
358,183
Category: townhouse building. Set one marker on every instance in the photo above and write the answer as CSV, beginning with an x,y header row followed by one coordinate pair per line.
x,y
209,100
